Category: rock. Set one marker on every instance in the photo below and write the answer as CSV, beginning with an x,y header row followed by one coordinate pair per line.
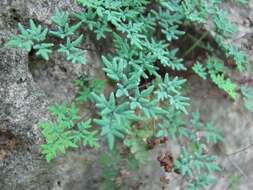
x,y
22,105
236,126
28,85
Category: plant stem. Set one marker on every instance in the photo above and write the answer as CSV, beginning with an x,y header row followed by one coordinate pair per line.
x,y
195,44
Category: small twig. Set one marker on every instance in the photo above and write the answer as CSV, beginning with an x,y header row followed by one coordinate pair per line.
x,y
240,37
241,171
241,150
201,45
195,44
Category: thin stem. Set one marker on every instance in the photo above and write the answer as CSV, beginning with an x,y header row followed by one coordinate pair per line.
x,y
195,44
241,171
201,45
241,150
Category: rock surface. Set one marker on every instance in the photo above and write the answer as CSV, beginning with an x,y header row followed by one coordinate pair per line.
x,y
22,105
28,86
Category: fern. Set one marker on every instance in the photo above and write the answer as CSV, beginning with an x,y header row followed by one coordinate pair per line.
x,y
169,21
43,50
88,138
196,167
146,98
157,51
239,57
65,131
73,53
200,70
29,39
225,84
247,94
217,72
170,89
86,87
115,119
194,163
149,108
61,19
222,23
136,141
172,125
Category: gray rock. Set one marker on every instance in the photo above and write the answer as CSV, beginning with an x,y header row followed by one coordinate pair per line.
x,y
22,105
28,85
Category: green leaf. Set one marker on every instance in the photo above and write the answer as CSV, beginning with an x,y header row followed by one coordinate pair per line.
x,y
43,50
200,70
72,51
247,94
226,84
115,118
114,69
28,37
170,89
61,19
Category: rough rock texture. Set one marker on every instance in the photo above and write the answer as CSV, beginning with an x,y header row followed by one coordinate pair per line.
x,y
236,125
28,86
22,105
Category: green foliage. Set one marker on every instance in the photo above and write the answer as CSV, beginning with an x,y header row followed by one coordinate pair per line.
x,y
172,125
239,56
86,87
115,118
225,84
146,97
223,28
43,50
194,162
169,20
61,19
149,108
73,53
110,170
72,48
222,23
65,131
157,51
170,89
218,73
32,38
209,134
234,182
136,141
114,69
200,70
100,13
247,94
196,167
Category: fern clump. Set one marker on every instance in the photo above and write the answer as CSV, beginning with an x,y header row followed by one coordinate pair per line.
x,y
148,103
32,38
66,131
